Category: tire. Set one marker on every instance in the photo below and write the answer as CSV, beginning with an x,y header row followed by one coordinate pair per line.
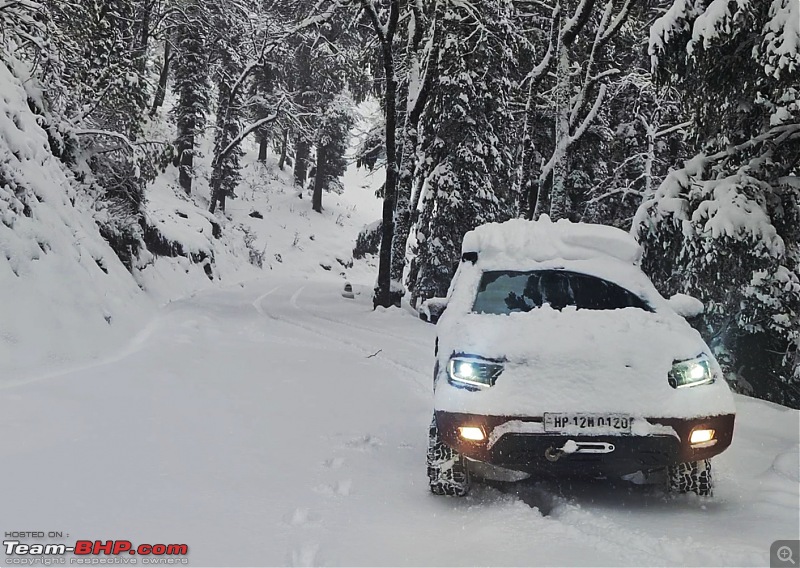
x,y
447,470
691,477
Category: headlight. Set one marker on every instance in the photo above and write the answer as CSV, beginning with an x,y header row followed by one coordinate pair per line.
x,y
473,371
690,373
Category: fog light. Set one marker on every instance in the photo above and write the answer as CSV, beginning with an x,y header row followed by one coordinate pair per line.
x,y
702,437
471,433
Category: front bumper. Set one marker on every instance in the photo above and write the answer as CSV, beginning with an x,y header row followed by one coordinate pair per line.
x,y
520,443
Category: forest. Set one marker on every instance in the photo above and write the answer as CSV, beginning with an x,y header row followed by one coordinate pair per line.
x,y
676,120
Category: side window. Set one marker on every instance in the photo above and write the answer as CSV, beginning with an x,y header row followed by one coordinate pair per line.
x,y
597,294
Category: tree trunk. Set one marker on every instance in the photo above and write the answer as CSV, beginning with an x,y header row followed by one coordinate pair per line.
x,y
263,144
319,179
186,161
284,144
559,207
648,162
403,208
217,195
222,199
161,90
302,152
143,38
523,189
383,290
410,141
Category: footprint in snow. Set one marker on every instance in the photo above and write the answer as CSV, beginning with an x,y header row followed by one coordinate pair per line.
x,y
333,463
299,517
338,488
365,442
305,555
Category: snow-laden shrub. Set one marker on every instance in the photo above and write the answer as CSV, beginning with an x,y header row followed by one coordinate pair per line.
x,y
733,242
368,240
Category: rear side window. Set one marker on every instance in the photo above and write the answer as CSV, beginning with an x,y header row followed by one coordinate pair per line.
x,y
505,291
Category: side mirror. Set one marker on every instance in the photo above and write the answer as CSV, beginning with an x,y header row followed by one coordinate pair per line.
x,y
431,310
686,306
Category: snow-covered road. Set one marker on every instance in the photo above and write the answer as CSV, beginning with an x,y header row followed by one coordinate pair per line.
x,y
277,423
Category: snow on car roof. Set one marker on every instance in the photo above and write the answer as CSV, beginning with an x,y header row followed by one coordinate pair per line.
x,y
544,240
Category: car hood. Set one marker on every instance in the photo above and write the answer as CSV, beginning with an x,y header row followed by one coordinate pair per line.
x,y
579,361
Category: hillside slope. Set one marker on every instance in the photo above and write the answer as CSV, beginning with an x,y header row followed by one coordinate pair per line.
x,y
65,294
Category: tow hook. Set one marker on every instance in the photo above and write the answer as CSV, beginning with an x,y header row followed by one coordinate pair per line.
x,y
572,447
552,454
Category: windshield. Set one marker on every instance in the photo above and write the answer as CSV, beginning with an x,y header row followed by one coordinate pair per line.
x,y
506,291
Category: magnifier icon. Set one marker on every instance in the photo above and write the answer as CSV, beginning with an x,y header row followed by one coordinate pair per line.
x,y
785,555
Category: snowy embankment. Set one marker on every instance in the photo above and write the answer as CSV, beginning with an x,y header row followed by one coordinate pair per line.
x,y
65,295
67,299
277,423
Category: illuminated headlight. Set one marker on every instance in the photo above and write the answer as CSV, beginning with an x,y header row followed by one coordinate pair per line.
x,y
473,371
691,373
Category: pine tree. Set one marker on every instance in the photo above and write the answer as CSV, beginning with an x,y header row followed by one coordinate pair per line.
x,y
191,85
637,136
332,138
466,136
225,171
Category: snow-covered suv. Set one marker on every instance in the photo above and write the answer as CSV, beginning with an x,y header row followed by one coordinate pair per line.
x,y
557,355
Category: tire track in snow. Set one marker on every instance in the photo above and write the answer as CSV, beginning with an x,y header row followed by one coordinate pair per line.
x,y
133,346
634,545
348,328
335,483
352,346
372,331
669,548
257,302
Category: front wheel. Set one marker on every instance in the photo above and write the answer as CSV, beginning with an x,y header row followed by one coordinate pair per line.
x,y
691,477
447,470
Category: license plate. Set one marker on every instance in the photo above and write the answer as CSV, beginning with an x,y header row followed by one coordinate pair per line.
x,y
587,423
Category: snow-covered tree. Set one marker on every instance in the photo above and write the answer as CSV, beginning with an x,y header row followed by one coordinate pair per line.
x,y
383,18
569,82
726,226
326,58
229,65
191,84
416,75
85,67
332,140
638,135
466,136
